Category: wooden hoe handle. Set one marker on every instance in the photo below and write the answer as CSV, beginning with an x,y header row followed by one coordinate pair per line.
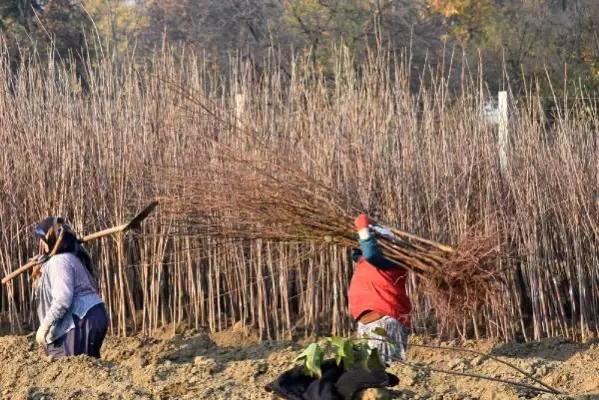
x,y
19,271
134,223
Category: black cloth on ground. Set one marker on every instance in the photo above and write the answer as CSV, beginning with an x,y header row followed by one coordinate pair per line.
x,y
335,383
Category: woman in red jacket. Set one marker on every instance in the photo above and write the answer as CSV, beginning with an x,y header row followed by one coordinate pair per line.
x,y
377,295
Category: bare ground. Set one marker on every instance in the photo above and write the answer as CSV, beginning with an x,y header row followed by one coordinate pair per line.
x,y
234,365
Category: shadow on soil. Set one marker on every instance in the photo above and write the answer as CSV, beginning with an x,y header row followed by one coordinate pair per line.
x,y
188,349
552,349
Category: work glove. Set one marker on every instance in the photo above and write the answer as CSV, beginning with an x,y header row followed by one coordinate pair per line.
x,y
42,333
383,232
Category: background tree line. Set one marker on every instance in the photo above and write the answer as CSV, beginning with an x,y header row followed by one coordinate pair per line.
x,y
522,42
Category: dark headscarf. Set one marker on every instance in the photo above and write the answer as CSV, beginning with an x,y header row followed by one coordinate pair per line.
x,y
49,231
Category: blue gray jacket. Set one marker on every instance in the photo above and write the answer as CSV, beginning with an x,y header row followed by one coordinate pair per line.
x,y
370,250
66,289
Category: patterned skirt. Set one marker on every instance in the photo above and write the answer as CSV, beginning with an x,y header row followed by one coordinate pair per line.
x,y
392,347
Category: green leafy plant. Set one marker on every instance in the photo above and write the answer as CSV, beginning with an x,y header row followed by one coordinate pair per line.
x,y
312,360
346,352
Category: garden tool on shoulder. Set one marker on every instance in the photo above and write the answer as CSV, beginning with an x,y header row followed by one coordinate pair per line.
x,y
60,229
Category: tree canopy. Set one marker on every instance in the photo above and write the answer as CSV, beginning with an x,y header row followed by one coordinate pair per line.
x,y
517,39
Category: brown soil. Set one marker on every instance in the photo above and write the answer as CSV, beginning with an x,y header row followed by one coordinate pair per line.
x,y
234,365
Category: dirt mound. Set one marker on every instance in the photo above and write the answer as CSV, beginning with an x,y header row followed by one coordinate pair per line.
x,y
169,366
234,365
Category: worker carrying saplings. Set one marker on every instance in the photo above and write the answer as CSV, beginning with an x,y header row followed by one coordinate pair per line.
x,y
377,294
73,319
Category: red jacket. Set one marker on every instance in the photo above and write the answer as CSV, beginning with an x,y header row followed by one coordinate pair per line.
x,y
379,285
